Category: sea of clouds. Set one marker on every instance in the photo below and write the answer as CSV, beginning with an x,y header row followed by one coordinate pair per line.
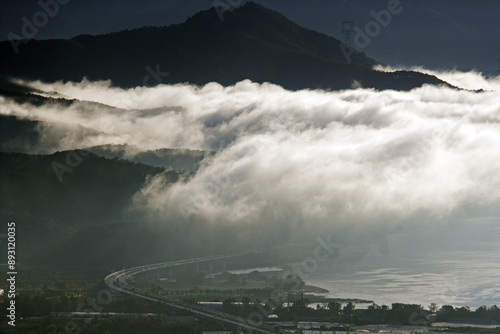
x,y
405,170
307,156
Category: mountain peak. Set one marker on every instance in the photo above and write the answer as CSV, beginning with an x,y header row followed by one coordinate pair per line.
x,y
221,45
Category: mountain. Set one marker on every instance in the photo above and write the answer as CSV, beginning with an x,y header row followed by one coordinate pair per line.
x,y
21,134
252,42
83,187
426,33
89,190
177,159
25,136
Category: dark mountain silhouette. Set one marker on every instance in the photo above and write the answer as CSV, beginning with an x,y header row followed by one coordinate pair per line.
x,y
89,188
252,42
48,209
177,159
19,134
24,135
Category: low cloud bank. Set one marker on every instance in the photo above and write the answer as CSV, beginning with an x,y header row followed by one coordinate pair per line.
x,y
300,158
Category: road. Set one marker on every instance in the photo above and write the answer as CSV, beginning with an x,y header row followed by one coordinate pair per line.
x,y
117,281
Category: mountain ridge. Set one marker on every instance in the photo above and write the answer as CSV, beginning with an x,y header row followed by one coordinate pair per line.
x,y
252,42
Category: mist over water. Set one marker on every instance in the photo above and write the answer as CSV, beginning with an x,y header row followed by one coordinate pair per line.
x,y
407,182
458,268
468,281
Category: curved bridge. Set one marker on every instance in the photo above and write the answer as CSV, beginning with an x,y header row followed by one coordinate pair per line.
x,y
118,281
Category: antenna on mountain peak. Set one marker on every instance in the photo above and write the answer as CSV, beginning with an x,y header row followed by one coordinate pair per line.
x,y
348,31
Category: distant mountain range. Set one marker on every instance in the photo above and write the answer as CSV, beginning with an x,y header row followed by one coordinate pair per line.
x,y
23,135
252,42
444,34
176,159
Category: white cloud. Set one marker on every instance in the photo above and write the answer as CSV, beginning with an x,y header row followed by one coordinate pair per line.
x,y
305,156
